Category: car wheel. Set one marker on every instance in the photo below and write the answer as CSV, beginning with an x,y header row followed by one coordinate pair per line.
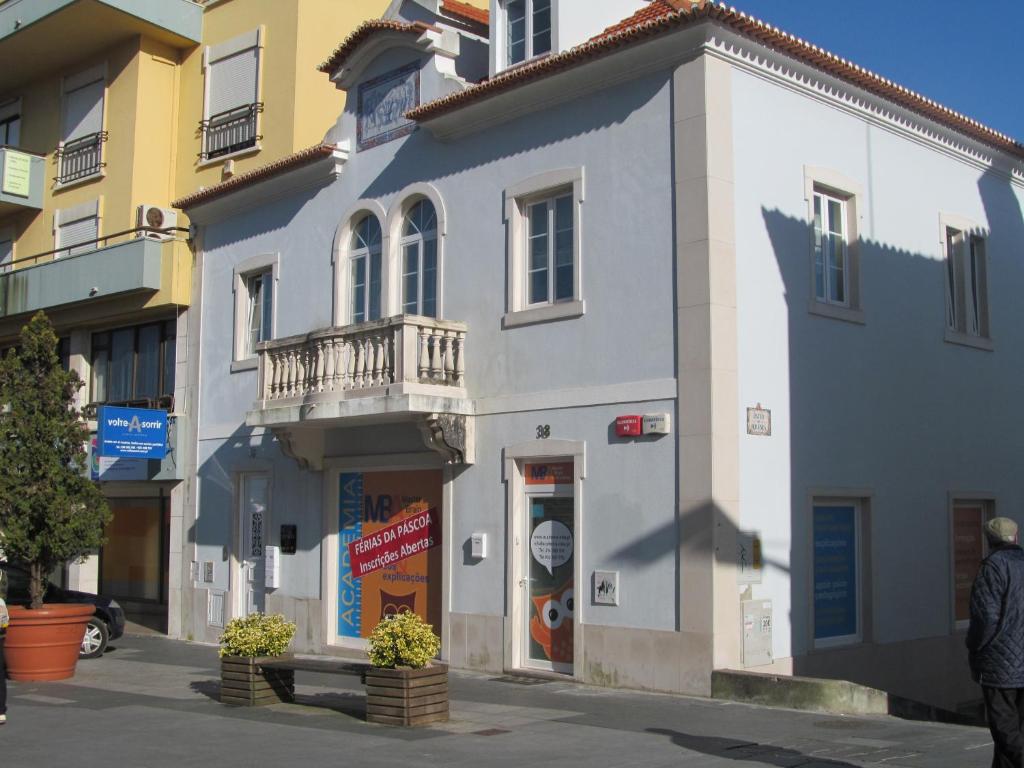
x,y
95,641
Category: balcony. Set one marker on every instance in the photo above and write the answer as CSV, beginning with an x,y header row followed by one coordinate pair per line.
x,y
81,158
398,369
35,34
228,132
21,180
133,266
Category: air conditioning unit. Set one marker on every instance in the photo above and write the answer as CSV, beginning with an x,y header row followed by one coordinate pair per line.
x,y
158,218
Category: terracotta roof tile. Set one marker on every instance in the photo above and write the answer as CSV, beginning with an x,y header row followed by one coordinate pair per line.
x,y
361,33
466,11
663,16
302,157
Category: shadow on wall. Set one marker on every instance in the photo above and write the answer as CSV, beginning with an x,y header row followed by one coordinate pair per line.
x,y
890,407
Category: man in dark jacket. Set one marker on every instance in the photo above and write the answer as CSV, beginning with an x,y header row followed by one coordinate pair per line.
x,y
995,640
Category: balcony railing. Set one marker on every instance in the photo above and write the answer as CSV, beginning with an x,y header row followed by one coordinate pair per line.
x,y
230,131
363,359
80,157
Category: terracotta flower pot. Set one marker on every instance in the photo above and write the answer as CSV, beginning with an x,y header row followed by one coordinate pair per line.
x,y
44,644
407,696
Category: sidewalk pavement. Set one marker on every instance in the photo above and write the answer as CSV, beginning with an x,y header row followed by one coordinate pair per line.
x,y
152,702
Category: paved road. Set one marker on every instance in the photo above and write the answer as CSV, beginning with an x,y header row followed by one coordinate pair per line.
x,y
151,703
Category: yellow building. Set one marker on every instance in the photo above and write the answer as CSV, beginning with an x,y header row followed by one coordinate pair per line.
x,y
109,110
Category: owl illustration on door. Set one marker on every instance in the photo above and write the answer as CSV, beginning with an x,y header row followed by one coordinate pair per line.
x,y
551,624
392,605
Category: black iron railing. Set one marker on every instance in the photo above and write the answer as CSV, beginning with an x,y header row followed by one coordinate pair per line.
x,y
230,131
80,157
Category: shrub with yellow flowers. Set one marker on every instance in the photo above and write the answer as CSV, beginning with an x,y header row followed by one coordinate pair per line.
x,y
403,640
257,635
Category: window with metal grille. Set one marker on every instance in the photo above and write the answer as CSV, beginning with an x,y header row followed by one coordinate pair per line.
x,y
232,104
80,152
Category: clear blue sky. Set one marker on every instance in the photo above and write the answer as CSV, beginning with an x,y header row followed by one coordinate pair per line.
x,y
967,55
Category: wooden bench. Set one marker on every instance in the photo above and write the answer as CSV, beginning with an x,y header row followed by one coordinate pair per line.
x,y
393,696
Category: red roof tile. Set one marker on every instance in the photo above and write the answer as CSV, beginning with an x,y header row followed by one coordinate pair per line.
x,y
663,16
302,157
466,11
361,33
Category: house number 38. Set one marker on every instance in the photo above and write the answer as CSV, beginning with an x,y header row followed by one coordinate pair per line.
x,y
543,431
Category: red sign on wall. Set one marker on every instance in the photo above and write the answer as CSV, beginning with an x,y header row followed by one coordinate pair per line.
x,y
411,536
629,426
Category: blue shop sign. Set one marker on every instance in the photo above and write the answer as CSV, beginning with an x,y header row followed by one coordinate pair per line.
x,y
133,433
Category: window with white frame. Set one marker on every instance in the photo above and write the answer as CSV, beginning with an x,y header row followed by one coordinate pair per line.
x,y
255,288
838,564
966,283
10,123
81,147
527,29
831,272
232,100
543,218
835,253
419,260
77,229
259,289
365,270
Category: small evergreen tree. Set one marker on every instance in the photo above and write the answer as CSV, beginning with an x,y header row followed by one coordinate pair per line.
x,y
50,512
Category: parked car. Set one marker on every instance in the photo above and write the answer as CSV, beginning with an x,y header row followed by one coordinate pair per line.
x,y
106,624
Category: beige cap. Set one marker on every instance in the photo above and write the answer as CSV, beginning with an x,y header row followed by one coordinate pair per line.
x,y
1002,529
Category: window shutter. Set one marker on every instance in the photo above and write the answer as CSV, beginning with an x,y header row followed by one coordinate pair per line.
x,y
83,111
233,81
81,231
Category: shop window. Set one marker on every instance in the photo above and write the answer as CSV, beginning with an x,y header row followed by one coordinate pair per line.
x,y
232,105
839,572
134,366
969,548
543,215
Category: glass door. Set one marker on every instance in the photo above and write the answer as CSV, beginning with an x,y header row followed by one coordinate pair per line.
x,y
253,524
549,591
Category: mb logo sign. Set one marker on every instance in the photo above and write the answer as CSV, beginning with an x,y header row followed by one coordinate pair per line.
x,y
133,433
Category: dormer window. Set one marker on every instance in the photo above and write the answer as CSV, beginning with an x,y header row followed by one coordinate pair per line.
x,y
528,23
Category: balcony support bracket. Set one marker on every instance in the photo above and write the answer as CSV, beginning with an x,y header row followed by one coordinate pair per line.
x,y
306,446
452,435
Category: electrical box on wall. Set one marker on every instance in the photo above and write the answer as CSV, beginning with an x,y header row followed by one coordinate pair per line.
x,y
272,567
757,632
657,424
478,546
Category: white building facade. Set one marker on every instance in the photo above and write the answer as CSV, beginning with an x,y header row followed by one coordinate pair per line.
x,y
425,339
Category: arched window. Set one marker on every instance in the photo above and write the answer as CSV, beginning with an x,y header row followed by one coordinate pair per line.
x,y
365,258
419,260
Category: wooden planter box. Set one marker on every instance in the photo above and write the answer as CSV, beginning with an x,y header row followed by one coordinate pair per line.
x,y
407,696
243,681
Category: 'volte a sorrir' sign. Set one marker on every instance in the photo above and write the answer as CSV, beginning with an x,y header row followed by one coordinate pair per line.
x,y
135,433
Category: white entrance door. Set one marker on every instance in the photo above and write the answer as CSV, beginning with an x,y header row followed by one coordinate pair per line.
x,y
253,521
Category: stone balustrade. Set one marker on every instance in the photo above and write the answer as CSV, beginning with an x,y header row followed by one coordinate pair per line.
x,y
363,359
